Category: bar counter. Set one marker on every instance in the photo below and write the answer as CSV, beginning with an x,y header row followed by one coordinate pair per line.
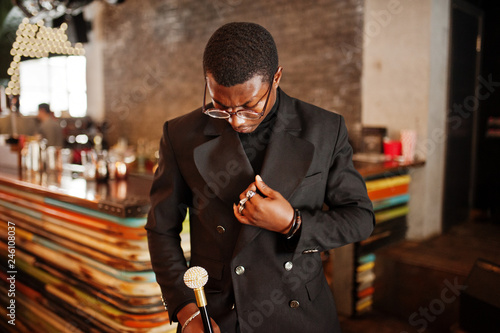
x,y
81,262
78,255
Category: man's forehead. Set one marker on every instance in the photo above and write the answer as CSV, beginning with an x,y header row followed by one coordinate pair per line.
x,y
255,79
243,94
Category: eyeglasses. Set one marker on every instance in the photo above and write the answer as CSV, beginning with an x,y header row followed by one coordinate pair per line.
x,y
243,113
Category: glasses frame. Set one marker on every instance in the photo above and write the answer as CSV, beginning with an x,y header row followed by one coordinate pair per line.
x,y
237,113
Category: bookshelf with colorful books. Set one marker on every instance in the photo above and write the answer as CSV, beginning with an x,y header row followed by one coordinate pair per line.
x,y
388,188
389,195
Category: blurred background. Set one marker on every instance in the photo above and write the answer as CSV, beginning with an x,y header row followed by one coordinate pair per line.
x,y
114,71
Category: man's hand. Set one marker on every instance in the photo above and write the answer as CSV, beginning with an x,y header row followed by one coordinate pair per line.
x,y
268,211
196,325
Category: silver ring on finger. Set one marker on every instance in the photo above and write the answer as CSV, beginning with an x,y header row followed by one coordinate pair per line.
x,y
243,201
240,208
250,194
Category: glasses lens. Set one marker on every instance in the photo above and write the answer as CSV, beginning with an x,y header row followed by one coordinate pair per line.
x,y
216,113
246,114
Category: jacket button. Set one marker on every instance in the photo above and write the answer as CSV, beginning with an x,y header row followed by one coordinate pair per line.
x,y
239,270
288,266
294,304
221,229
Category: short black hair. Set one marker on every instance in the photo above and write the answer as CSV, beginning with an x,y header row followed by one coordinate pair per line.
x,y
238,51
45,107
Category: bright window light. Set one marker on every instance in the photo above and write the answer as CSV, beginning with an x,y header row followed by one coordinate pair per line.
x,y
59,81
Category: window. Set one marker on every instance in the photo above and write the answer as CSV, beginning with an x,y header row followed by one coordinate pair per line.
x,y
59,81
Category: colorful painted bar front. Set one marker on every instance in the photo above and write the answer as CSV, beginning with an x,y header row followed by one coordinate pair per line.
x,y
77,268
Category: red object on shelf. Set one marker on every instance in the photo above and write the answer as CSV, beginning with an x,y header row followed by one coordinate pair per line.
x,y
392,148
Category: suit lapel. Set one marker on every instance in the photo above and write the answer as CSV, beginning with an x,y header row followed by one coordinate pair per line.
x,y
223,163
222,160
287,161
288,156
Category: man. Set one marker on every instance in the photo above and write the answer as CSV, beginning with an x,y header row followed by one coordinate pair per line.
x,y
49,128
269,184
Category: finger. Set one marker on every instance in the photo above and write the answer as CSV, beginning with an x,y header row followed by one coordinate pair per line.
x,y
262,187
240,217
251,187
215,326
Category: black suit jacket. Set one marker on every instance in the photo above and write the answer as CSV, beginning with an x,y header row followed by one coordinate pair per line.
x,y
256,277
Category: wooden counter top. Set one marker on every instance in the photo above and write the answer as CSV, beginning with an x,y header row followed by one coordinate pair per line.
x,y
369,169
123,198
80,256
130,197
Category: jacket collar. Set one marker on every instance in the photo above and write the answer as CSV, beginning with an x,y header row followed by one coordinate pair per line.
x,y
287,158
226,169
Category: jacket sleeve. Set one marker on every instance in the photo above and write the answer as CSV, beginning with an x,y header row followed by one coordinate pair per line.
x,y
349,216
169,201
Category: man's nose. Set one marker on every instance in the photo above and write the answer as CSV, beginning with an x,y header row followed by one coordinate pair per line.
x,y
235,121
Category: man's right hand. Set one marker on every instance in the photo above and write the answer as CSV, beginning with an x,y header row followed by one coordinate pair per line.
x,y
196,325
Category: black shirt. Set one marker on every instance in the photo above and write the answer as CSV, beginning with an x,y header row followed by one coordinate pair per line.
x,y
255,143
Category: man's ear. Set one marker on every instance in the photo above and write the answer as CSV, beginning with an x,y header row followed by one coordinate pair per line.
x,y
277,77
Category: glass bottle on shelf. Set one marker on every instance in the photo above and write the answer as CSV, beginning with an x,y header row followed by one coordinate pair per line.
x,y
102,166
89,164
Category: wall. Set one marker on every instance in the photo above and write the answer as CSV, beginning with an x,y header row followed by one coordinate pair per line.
x,y
396,50
152,54
94,56
404,80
